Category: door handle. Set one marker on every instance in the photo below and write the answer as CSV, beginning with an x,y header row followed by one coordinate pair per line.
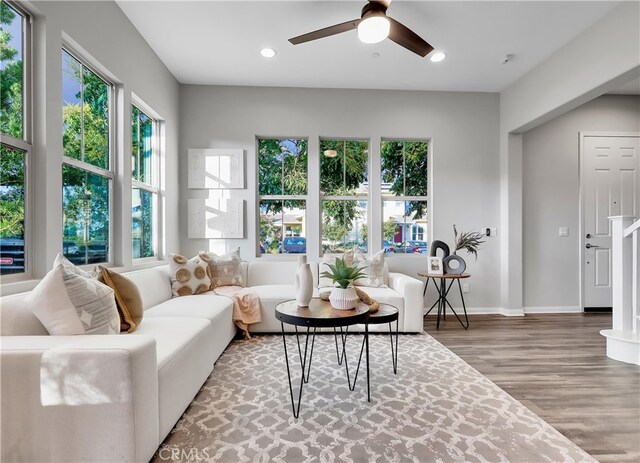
x,y
589,246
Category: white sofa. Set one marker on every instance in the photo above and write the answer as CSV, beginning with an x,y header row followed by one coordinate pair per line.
x,y
115,398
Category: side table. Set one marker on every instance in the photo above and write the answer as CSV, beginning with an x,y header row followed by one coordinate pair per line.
x,y
443,291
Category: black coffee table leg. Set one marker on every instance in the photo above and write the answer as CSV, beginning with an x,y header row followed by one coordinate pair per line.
x,y
394,352
303,360
366,337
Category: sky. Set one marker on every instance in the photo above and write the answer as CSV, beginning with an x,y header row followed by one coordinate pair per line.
x,y
15,30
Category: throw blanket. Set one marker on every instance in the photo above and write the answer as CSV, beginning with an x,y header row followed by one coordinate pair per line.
x,y
246,306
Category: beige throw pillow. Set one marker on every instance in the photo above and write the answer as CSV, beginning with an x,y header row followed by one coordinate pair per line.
x,y
127,295
69,301
226,270
189,276
373,267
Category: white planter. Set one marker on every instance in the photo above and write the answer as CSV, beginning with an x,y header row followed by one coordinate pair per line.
x,y
343,299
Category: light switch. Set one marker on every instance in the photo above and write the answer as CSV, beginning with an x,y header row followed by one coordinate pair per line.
x,y
563,231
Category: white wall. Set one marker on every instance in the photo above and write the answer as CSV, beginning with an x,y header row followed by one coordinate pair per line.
x,y
551,197
596,61
102,31
463,127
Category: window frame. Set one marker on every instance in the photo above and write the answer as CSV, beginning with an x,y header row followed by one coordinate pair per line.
x,y
280,197
154,187
366,198
25,144
428,198
109,174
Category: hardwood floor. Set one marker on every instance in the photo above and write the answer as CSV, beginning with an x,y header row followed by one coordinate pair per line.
x,y
556,366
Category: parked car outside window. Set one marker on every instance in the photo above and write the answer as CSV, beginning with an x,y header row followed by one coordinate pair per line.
x,y
294,245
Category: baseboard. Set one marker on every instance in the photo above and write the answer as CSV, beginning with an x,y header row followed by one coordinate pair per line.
x,y
485,311
553,309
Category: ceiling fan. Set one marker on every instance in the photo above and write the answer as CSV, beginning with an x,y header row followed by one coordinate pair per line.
x,y
373,26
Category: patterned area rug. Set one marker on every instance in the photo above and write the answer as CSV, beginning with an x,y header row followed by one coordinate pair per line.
x,y
437,408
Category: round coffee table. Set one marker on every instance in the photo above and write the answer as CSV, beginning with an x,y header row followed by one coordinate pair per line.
x,y
319,314
386,313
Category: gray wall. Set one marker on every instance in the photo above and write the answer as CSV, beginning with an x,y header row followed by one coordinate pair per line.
x,y
463,127
551,197
100,31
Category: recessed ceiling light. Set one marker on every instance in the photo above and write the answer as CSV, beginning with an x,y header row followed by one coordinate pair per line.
x,y
268,52
438,56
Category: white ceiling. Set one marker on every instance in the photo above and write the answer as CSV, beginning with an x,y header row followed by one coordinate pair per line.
x,y
629,88
216,42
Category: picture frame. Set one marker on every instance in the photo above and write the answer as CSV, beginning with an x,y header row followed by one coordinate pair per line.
x,y
434,265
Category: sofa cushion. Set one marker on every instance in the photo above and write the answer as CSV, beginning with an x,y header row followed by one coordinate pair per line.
x,y
17,320
153,283
68,301
226,270
189,276
372,267
127,295
266,272
185,355
208,305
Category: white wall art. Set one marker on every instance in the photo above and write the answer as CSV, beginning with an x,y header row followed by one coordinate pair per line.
x,y
216,168
216,218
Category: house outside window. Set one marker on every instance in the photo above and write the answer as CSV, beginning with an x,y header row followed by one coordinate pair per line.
x,y
87,171
15,148
405,186
282,195
144,181
344,187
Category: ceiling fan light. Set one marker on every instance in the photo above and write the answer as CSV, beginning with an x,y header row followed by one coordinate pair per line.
x,y
437,56
373,29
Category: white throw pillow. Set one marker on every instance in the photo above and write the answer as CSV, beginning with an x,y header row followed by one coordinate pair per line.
x,y
324,282
226,270
69,301
373,267
189,276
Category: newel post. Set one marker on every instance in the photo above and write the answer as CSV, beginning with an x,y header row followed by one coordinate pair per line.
x,y
622,273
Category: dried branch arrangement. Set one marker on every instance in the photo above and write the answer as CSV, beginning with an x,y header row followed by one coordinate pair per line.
x,y
469,241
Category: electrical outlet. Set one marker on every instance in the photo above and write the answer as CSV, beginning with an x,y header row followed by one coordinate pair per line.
x,y
465,287
563,232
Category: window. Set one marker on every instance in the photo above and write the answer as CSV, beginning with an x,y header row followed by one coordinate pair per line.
x,y
15,148
282,190
404,167
344,187
144,199
87,173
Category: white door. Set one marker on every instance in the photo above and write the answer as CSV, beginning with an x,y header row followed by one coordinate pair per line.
x,y
611,186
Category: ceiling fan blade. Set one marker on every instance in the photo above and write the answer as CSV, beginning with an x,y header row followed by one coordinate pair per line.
x,y
326,32
405,37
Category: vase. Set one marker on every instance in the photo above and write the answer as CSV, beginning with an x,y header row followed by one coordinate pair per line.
x,y
449,269
304,285
343,298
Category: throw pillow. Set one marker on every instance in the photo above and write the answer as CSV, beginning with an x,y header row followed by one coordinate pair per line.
x,y
128,299
373,267
324,282
68,301
226,270
189,276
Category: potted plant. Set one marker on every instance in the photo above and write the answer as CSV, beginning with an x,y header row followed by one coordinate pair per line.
x,y
344,296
